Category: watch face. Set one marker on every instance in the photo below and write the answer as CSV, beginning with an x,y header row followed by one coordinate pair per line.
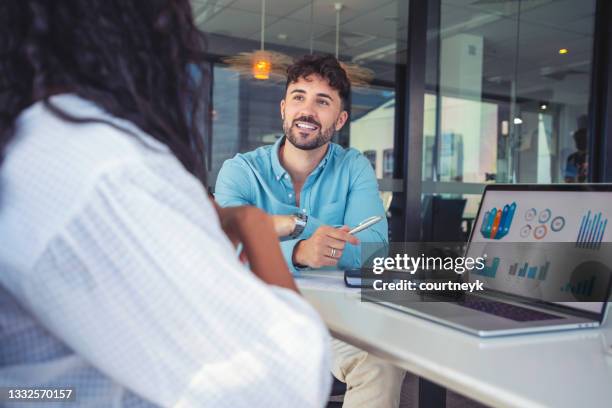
x,y
300,224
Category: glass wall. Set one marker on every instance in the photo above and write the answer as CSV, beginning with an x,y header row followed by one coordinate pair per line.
x,y
508,88
366,34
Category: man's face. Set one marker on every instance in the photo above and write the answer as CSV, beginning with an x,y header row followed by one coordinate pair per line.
x,y
312,112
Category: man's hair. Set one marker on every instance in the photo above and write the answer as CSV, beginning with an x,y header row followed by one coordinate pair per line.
x,y
327,67
139,60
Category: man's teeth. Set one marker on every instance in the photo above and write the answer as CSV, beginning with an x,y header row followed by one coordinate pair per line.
x,y
305,126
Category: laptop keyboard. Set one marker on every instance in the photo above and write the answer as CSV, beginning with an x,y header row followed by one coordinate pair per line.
x,y
512,312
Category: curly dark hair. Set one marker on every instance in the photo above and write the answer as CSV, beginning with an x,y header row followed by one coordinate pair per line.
x,y
327,67
140,60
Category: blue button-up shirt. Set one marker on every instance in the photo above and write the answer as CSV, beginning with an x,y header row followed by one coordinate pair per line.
x,y
341,190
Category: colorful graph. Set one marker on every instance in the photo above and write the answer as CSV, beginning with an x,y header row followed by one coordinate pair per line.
x,y
540,231
583,287
489,270
496,222
592,229
528,271
545,216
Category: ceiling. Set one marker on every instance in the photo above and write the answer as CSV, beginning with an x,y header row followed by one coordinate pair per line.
x,y
365,24
524,50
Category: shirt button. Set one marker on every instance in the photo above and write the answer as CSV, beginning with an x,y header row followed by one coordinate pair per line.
x,y
303,210
290,195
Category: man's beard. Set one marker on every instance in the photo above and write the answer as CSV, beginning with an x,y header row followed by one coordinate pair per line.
x,y
320,138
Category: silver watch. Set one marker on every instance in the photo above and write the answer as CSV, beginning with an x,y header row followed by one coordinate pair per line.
x,y
300,224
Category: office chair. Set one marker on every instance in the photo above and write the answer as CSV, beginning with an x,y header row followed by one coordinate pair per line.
x,y
442,218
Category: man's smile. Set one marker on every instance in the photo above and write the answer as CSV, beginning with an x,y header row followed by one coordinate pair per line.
x,y
306,126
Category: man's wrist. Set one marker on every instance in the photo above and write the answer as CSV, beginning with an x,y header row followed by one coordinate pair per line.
x,y
283,224
289,225
296,258
299,225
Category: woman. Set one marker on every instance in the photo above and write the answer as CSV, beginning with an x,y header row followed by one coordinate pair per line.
x,y
117,277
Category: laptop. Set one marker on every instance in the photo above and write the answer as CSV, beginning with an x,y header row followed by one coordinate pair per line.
x,y
547,251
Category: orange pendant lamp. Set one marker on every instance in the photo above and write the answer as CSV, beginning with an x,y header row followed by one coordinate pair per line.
x,y
261,64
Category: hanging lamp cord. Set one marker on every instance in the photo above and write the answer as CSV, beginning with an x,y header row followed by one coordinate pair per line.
x,y
263,23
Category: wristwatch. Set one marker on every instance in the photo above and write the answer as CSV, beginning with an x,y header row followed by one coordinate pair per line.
x,y
300,224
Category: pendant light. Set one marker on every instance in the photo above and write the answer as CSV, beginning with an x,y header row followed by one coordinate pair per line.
x,y
261,64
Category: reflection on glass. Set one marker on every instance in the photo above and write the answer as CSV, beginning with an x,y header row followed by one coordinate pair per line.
x,y
368,34
503,104
372,131
388,163
371,156
225,125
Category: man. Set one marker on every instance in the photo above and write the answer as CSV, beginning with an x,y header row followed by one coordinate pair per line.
x,y
312,186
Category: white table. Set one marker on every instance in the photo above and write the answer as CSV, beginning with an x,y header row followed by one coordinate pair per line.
x,y
562,369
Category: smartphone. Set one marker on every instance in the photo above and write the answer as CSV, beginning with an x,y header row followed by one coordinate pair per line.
x,y
367,223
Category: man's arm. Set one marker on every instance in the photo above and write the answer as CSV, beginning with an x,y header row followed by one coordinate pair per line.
x,y
363,202
313,247
233,188
143,284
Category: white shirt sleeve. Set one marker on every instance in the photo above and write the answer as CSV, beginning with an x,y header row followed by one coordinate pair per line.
x,y
142,283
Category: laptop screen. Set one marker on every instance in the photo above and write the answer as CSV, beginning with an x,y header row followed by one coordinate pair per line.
x,y
547,245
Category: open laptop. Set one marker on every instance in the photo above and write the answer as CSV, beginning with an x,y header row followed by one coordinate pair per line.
x,y
547,265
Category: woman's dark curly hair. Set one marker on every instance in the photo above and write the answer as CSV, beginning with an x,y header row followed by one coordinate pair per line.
x,y
140,60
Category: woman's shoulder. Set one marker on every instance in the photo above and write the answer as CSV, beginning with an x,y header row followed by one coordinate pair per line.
x,y
52,161
48,143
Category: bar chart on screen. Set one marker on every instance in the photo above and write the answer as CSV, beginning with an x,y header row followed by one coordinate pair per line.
x,y
583,287
527,271
496,222
489,270
592,229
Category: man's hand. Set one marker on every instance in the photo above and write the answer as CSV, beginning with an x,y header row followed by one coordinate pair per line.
x,y
324,247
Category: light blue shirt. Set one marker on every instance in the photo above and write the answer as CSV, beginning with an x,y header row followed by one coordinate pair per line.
x,y
341,190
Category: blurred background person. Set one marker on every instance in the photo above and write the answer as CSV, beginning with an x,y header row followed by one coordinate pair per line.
x,y
576,166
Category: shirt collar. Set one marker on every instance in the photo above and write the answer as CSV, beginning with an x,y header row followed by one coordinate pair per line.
x,y
279,170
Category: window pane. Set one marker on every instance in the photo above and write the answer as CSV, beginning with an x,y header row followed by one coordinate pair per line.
x,y
246,110
508,92
372,127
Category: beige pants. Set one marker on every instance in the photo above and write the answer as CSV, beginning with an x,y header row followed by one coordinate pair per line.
x,y
370,381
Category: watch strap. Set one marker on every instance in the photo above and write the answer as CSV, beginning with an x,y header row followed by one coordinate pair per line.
x,y
300,225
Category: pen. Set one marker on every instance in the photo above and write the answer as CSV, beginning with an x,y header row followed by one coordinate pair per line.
x,y
367,223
